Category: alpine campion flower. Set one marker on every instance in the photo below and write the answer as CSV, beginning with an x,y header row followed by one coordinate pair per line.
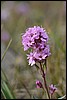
x,y
39,84
38,55
36,38
31,59
52,89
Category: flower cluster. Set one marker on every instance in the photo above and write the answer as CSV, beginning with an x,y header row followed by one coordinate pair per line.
x,y
36,38
52,89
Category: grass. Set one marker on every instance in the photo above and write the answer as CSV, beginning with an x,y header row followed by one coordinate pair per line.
x,y
6,90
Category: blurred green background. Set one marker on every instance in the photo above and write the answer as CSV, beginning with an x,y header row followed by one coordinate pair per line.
x,y
16,17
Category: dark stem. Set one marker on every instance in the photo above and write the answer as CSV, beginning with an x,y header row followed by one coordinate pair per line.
x,y
36,66
46,63
45,84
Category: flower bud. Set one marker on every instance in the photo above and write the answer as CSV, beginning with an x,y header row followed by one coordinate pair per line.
x,y
52,89
39,84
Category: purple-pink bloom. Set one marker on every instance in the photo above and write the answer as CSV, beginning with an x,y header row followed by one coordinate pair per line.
x,y
52,89
38,55
33,36
39,84
36,38
31,59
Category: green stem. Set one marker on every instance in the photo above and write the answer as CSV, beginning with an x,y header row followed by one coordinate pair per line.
x,y
3,94
6,49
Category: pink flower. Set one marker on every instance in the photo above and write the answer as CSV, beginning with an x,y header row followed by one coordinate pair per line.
x,y
39,84
38,55
52,89
31,59
33,37
36,38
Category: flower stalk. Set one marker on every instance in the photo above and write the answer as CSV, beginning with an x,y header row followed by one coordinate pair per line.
x,y
45,84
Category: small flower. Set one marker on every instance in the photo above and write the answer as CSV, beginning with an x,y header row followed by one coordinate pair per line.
x,y
39,84
31,59
52,89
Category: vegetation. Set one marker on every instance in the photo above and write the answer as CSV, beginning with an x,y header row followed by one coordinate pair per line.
x,y
16,17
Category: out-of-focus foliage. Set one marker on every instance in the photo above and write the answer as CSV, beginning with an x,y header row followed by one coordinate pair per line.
x,y
6,91
16,17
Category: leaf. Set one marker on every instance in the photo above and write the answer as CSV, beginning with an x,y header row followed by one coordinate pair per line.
x,y
62,97
3,76
6,49
6,92
44,67
5,87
